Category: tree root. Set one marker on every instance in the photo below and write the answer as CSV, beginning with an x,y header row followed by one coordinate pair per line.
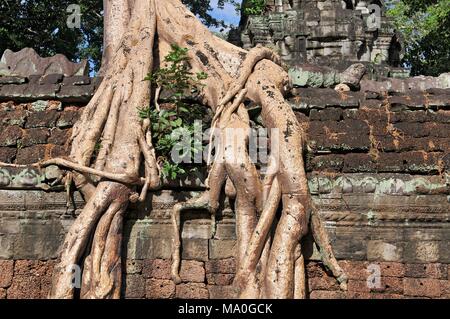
x,y
269,258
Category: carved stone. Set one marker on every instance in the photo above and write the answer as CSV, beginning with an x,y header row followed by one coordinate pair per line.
x,y
329,33
27,62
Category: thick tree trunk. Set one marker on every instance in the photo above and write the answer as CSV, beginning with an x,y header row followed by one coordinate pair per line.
x,y
269,265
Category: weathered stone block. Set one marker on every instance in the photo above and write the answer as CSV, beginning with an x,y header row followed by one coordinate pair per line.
x,y
226,231
222,249
58,151
358,286
42,119
148,248
323,283
12,80
68,118
2,293
59,136
382,251
223,266
6,273
355,269
333,163
13,117
192,291
434,271
35,136
30,155
7,154
324,294
222,292
77,80
196,249
10,136
220,279
133,266
54,78
423,287
76,93
192,271
427,251
159,289
135,287
25,287
392,269
357,163
156,268
33,267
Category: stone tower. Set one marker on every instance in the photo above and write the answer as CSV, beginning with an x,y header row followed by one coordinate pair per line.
x,y
331,33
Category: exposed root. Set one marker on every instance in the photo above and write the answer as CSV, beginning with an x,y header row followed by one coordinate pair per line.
x,y
326,251
269,258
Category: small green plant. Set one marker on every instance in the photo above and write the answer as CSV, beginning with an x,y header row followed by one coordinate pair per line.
x,y
255,7
177,121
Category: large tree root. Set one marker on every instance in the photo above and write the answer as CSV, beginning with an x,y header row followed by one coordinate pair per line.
x,y
269,257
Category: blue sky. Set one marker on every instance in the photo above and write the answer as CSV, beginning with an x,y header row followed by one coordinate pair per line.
x,y
228,14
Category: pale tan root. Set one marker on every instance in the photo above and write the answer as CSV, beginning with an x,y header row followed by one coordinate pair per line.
x,y
120,127
326,251
209,201
299,275
270,264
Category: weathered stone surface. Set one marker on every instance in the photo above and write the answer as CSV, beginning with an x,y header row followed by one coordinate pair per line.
x,y
25,287
326,33
27,62
353,75
59,136
222,292
43,119
68,117
2,293
76,80
324,294
392,269
223,266
220,279
54,78
76,93
133,266
15,116
196,249
222,249
192,271
422,287
434,271
30,155
427,251
156,268
382,251
10,136
12,80
6,273
135,287
7,154
159,289
192,291
323,283
35,136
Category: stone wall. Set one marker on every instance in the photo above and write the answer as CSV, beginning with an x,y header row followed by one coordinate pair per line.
x,y
378,163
